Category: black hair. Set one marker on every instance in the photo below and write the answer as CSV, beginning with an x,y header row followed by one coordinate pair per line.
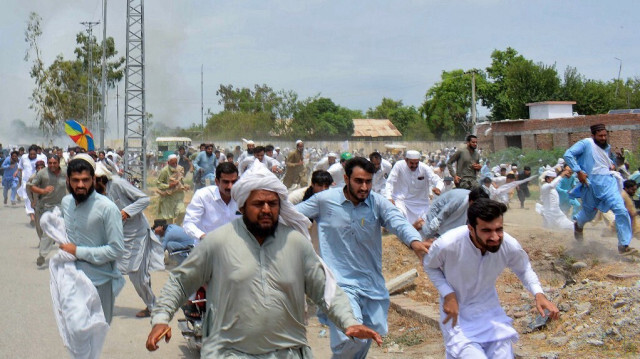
x,y
208,145
268,148
33,148
321,177
104,153
629,184
225,167
359,162
503,169
79,165
258,149
511,176
229,155
476,193
485,209
442,164
16,152
469,137
375,154
487,180
53,155
527,168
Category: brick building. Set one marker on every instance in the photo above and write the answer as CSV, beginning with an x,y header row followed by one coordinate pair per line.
x,y
546,134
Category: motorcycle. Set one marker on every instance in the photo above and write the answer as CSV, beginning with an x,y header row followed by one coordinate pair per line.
x,y
191,326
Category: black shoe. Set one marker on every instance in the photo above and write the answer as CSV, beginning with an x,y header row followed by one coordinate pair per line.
x,y
577,232
40,261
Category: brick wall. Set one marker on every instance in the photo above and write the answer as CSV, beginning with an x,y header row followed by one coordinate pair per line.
x,y
624,131
544,141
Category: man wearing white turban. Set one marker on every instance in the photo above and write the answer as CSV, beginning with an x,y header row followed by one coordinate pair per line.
x,y
552,215
259,268
408,186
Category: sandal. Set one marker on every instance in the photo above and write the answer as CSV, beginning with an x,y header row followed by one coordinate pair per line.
x,y
143,313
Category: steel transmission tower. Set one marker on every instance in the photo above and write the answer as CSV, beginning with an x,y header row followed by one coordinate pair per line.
x,y
135,126
90,25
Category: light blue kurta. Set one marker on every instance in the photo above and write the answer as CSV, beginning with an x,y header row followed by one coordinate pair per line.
x,y
601,193
351,237
95,227
448,211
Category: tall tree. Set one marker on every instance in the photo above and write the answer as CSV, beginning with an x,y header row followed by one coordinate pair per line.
x,y
320,118
448,103
401,116
516,81
61,89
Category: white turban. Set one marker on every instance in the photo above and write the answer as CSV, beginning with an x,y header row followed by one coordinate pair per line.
x,y
332,154
298,141
172,156
412,155
550,173
258,177
102,171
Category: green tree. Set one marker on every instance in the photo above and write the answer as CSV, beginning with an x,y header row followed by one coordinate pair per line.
x,y
320,118
448,103
516,81
401,116
235,124
61,89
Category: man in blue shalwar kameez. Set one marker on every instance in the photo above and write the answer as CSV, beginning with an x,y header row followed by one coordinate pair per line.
x,y
590,159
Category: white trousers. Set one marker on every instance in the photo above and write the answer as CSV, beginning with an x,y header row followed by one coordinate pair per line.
x,y
500,349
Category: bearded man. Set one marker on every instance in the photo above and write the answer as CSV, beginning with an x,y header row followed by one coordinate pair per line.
x,y
259,268
464,265
171,189
94,229
590,159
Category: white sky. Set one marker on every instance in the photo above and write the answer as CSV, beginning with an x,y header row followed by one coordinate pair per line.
x,y
355,52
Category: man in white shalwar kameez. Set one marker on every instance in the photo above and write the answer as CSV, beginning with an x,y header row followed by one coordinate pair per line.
x,y
26,169
142,250
552,215
212,206
383,169
408,186
464,265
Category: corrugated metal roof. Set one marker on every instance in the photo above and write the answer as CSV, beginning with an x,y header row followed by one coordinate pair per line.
x,y
374,128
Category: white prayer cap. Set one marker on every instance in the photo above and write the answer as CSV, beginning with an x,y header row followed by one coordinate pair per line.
x,y
277,148
250,142
85,157
550,173
514,167
332,154
560,161
412,155
298,141
172,156
102,171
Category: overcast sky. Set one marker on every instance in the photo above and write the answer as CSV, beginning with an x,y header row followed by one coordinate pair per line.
x,y
355,52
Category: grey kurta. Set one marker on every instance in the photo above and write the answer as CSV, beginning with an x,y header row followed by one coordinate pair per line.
x,y
137,233
255,294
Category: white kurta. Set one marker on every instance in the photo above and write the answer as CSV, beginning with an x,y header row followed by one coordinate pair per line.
x,y
379,182
410,189
323,164
454,264
337,173
552,215
28,168
207,211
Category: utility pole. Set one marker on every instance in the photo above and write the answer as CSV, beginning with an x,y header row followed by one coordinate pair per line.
x,y
104,72
619,71
202,99
473,101
90,25
117,112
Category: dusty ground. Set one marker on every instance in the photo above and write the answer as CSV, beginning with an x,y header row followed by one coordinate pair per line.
x,y
552,255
